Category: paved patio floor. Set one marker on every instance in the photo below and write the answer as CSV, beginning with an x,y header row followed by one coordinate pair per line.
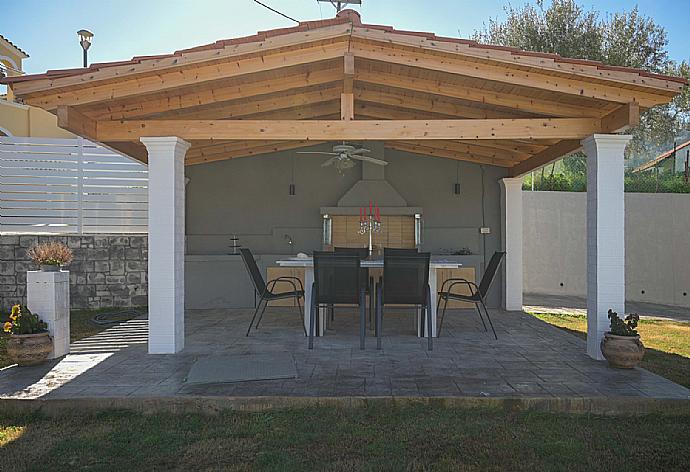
x,y
530,359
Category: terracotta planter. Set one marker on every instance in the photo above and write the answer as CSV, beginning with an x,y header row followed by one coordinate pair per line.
x,y
29,349
623,352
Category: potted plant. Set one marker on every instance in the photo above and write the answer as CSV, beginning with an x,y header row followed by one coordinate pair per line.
x,y
29,342
621,345
50,257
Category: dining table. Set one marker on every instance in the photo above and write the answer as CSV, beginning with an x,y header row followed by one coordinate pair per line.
x,y
307,263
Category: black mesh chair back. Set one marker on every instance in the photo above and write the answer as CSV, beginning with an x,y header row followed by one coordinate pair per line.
x,y
253,269
362,253
490,272
337,278
405,278
399,251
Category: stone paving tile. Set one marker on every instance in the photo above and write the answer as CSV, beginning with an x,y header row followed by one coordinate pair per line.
x,y
530,358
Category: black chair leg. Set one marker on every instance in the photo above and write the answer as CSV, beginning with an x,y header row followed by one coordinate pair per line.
x,y
301,315
476,306
372,301
379,317
312,317
261,315
429,325
488,317
362,319
256,310
443,315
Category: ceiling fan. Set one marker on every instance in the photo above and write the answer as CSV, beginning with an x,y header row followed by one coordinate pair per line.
x,y
344,156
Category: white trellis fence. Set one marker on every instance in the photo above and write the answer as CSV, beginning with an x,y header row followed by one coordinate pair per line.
x,y
70,186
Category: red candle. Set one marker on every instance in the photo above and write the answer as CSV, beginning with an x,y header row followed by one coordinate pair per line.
x,y
371,208
378,213
361,214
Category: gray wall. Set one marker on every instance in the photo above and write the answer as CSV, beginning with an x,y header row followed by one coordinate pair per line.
x,y
657,240
249,197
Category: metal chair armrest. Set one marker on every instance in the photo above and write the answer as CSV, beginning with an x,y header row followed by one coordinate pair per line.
x,y
299,281
472,286
272,283
450,281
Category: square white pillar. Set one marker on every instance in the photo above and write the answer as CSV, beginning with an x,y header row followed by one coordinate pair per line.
x,y
47,295
166,243
605,234
511,242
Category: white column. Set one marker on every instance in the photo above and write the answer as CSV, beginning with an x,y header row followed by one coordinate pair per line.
x,y
605,234
47,295
511,242
166,243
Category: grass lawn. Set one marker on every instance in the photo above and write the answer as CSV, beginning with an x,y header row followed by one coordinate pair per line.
x,y
374,438
81,327
667,343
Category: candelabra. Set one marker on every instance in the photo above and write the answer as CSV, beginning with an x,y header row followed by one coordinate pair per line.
x,y
370,224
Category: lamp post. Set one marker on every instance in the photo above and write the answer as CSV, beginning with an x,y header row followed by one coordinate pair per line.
x,y
85,41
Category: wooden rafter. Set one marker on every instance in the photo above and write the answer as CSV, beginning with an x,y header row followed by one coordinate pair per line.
x,y
437,152
497,73
454,88
262,104
400,98
247,151
196,97
173,79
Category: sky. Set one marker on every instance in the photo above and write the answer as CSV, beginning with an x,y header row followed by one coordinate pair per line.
x,y
46,29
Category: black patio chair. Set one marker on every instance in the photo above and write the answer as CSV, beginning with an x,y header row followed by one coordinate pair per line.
x,y
365,281
477,293
336,280
405,282
265,290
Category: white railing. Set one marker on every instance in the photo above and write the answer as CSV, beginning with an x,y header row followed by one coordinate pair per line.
x,y
70,186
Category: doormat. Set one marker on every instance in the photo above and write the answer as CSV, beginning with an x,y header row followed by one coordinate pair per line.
x,y
229,368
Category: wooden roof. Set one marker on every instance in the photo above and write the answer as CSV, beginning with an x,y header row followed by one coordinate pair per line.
x,y
339,79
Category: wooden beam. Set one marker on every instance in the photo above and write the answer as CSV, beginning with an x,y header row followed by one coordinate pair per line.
x,y
449,86
347,106
546,156
173,79
135,150
625,117
575,86
263,104
196,97
524,128
348,72
436,152
72,120
472,150
399,98
248,151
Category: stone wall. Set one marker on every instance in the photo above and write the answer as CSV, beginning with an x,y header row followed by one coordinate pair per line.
x,y
107,271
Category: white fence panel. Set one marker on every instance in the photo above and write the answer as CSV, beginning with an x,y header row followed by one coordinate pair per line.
x,y
62,186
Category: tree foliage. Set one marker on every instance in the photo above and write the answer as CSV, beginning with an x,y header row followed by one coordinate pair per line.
x,y
626,38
